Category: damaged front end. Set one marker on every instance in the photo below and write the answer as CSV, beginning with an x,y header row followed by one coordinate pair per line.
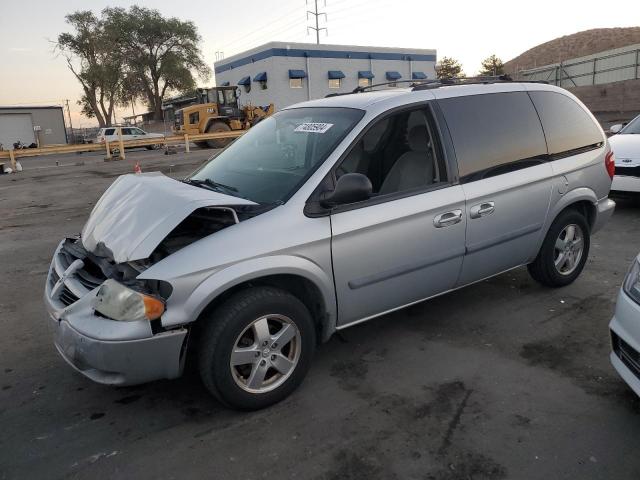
x,y
106,319
116,351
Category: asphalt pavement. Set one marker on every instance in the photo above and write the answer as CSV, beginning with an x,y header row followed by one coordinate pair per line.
x,y
502,379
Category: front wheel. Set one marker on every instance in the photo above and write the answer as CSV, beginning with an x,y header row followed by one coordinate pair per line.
x,y
218,127
256,348
564,251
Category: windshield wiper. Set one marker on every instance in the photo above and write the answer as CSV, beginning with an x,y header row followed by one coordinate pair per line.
x,y
211,185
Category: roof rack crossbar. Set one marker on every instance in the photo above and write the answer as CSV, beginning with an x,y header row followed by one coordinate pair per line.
x,y
426,84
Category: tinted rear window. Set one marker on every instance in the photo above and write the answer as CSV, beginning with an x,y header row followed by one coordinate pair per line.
x,y
566,125
493,133
109,131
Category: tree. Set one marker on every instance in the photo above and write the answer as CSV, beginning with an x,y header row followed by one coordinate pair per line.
x,y
492,66
161,54
449,68
93,56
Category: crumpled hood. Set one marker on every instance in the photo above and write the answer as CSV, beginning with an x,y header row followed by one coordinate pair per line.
x,y
138,211
626,149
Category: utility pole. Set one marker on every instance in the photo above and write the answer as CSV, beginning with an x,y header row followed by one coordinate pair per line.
x,y
317,15
73,136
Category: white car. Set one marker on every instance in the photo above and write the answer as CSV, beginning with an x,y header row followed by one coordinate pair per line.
x,y
626,149
110,134
625,329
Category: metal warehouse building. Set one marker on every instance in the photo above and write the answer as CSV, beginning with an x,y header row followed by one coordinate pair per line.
x,y
287,73
44,125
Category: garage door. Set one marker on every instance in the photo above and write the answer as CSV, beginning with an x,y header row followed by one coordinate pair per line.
x,y
14,127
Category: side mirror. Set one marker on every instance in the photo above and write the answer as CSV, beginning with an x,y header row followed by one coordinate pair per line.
x,y
615,128
350,188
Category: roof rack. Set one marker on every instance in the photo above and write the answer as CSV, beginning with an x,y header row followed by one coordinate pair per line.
x,y
417,85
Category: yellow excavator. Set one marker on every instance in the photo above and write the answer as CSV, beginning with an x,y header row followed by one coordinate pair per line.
x,y
216,111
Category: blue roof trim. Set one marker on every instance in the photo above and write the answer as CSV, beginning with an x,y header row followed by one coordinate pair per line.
x,y
297,74
335,74
260,77
365,74
296,52
393,75
418,76
245,81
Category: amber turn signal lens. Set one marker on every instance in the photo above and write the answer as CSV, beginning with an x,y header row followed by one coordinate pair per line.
x,y
153,308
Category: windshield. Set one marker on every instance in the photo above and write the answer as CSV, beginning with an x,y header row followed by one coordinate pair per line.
x,y
632,127
270,162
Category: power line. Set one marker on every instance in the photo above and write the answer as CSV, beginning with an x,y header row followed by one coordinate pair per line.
x,y
317,16
271,23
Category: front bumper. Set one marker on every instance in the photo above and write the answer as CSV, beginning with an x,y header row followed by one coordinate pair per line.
x,y
104,350
625,183
625,327
604,210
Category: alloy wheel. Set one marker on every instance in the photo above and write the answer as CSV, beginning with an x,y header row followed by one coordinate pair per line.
x,y
568,249
265,354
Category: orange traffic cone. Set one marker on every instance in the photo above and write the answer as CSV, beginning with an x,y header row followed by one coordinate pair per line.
x,y
137,168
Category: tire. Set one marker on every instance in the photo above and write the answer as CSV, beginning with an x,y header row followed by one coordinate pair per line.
x,y
239,325
202,144
558,247
218,127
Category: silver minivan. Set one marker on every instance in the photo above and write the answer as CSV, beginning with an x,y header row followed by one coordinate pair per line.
x,y
323,216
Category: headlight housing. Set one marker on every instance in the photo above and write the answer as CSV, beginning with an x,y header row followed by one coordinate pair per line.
x,y
631,284
119,302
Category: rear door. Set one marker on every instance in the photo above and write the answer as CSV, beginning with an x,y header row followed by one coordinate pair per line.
x,y
506,179
406,243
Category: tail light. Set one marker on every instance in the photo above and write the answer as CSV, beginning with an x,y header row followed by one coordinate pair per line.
x,y
610,163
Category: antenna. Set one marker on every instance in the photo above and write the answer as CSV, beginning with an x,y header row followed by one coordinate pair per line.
x,y
317,15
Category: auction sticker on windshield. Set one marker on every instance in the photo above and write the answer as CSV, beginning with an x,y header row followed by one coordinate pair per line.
x,y
311,127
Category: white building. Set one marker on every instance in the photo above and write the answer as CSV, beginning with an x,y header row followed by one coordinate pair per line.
x,y
287,73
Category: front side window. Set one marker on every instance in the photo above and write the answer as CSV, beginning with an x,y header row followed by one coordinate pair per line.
x,y
566,125
364,82
295,82
493,133
334,82
127,131
270,162
137,131
398,153
230,96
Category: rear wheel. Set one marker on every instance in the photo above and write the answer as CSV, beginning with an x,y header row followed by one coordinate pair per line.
x,y
256,348
564,251
218,127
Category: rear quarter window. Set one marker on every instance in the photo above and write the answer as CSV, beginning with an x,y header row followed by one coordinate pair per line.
x,y
109,131
493,133
567,126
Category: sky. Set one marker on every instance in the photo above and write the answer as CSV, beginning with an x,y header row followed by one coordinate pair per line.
x,y
32,74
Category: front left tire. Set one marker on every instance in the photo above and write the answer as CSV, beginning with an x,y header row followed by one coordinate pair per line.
x,y
256,348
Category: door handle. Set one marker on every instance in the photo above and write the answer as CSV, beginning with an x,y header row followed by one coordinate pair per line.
x,y
448,218
482,210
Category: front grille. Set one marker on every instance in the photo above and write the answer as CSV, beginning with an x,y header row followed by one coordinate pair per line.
x,y
627,354
76,284
67,297
628,171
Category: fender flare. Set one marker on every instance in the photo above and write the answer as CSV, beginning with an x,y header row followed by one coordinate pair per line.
x,y
222,280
